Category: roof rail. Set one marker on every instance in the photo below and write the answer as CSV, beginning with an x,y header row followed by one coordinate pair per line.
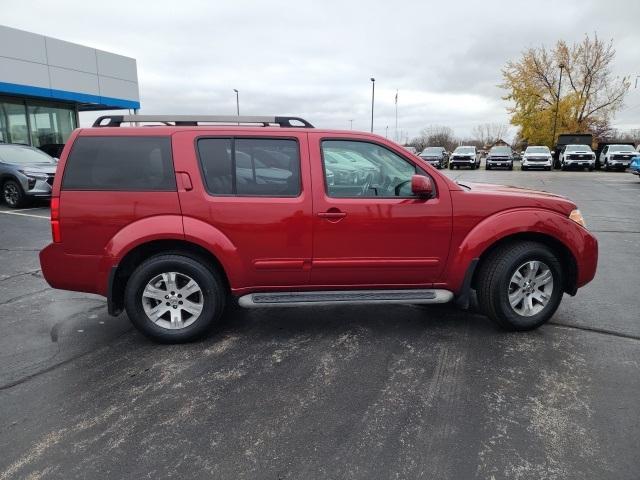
x,y
195,120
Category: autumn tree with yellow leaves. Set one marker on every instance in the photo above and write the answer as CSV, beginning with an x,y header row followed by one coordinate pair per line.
x,y
586,101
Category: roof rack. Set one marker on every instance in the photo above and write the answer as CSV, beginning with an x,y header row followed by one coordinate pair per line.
x,y
195,120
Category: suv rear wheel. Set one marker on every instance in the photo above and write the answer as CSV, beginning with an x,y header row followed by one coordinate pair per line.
x,y
520,285
174,298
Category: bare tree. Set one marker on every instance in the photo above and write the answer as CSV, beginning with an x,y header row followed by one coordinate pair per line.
x,y
489,133
435,136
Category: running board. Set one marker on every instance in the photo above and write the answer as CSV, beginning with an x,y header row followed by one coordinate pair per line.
x,y
346,297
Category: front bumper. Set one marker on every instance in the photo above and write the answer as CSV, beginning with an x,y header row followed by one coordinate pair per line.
x,y
537,163
619,163
462,161
499,163
39,188
580,163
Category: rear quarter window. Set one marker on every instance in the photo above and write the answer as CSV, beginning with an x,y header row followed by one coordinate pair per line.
x,y
120,164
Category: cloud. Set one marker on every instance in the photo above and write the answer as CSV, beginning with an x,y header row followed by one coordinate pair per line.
x,y
314,59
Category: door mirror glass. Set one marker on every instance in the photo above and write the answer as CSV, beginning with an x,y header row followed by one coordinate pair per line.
x,y
421,186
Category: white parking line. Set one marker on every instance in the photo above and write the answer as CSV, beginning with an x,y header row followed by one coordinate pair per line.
x,y
25,214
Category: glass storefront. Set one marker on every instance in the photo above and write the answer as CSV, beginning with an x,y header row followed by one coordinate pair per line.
x,y
35,122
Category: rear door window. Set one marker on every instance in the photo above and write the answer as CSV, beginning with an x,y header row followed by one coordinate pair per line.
x,y
250,166
121,164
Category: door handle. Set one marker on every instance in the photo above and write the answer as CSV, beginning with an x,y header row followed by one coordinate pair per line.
x,y
332,215
186,181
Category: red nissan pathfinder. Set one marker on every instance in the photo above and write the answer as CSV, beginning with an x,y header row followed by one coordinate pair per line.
x,y
173,222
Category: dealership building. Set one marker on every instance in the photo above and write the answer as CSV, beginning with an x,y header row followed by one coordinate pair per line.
x,y
45,82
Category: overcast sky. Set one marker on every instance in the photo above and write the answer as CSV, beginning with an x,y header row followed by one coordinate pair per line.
x,y
314,59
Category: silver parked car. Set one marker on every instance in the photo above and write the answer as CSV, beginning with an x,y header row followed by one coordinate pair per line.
x,y
25,173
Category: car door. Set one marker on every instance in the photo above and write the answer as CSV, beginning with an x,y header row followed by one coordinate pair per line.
x,y
370,230
254,192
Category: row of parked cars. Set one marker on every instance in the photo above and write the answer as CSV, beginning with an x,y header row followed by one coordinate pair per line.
x,y
612,157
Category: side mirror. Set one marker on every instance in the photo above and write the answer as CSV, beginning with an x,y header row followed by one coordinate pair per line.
x,y
421,186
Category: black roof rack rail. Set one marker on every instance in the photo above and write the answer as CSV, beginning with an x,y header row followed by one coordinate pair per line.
x,y
195,120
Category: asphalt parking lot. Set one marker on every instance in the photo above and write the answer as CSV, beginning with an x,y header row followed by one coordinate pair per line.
x,y
393,392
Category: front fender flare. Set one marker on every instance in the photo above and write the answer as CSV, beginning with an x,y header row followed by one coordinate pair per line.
x,y
507,223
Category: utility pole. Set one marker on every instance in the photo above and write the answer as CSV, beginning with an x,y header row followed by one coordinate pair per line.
x,y
386,131
351,124
555,119
373,96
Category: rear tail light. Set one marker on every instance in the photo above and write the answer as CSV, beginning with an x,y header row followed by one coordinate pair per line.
x,y
55,219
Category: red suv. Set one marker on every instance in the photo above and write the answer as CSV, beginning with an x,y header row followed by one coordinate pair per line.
x,y
173,222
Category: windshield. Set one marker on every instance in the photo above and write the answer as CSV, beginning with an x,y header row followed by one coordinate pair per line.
x,y
537,150
500,151
23,155
432,151
621,148
577,148
465,150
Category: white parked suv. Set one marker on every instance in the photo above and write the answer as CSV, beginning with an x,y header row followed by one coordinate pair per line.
x,y
580,156
464,156
536,156
616,156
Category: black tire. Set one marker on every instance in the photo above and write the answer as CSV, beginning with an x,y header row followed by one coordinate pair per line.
x,y
523,168
13,195
213,290
493,281
606,165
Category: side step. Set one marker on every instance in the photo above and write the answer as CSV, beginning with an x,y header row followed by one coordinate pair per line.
x,y
347,297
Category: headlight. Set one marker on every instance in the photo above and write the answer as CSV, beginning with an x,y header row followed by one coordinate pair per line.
x,y
577,217
36,175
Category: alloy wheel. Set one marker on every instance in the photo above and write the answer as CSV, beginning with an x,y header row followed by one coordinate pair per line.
x,y
530,288
11,194
172,300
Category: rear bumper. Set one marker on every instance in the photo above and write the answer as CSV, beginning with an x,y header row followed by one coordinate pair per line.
x,y
81,273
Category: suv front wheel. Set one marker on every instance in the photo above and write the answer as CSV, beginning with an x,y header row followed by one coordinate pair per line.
x,y
174,298
520,285
13,195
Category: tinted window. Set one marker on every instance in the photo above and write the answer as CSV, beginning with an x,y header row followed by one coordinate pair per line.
x,y
250,166
362,169
120,163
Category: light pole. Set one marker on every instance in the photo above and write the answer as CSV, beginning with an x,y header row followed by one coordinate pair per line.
x,y
555,119
237,102
386,131
396,115
373,96
351,124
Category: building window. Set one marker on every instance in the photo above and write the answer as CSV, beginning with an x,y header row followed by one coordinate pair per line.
x,y
13,126
47,124
50,125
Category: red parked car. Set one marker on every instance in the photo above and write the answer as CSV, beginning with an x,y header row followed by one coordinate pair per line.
x,y
171,223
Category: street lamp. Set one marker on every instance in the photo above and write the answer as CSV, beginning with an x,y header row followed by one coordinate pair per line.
x,y
351,124
373,96
237,102
555,119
